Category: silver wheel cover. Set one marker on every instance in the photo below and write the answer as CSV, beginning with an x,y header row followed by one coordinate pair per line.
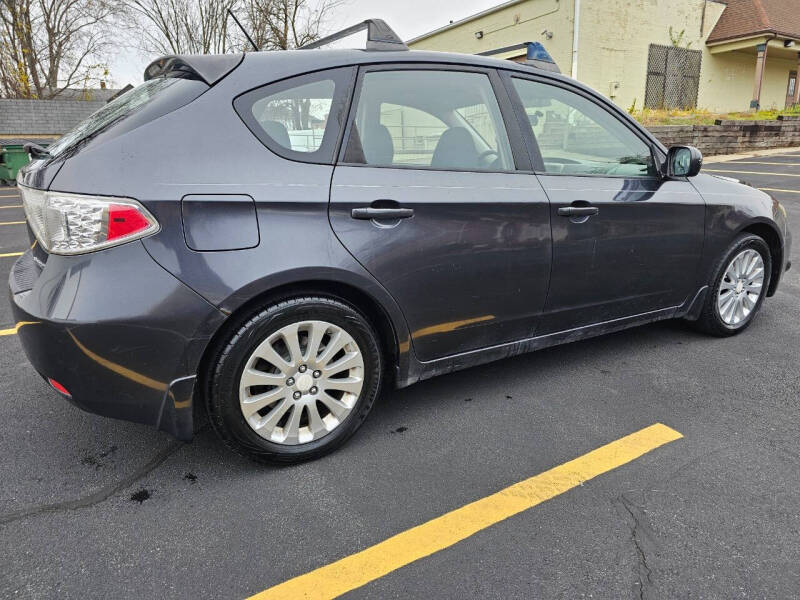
x,y
301,382
741,287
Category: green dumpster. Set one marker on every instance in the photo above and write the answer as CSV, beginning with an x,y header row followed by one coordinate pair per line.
x,y
12,157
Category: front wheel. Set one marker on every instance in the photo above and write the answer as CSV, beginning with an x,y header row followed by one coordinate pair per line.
x,y
295,381
739,286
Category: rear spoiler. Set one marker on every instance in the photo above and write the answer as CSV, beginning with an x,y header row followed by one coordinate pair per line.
x,y
204,67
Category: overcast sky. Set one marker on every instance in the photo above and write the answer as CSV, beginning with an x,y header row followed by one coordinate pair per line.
x,y
408,18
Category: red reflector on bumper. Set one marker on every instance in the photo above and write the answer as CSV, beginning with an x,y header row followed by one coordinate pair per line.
x,y
58,387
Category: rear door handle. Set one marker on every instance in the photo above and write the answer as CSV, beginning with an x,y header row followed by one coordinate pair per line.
x,y
382,213
578,211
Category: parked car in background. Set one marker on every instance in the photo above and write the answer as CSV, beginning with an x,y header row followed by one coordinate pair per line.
x,y
275,237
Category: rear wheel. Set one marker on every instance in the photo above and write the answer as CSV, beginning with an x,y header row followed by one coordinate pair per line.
x,y
739,286
295,381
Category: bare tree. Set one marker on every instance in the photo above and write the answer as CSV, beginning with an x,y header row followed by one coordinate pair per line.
x,y
203,26
49,45
286,24
183,26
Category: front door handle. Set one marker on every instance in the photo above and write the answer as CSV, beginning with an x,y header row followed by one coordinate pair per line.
x,y
578,211
381,213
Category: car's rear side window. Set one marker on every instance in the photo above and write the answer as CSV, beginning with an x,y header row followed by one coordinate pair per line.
x,y
434,119
299,118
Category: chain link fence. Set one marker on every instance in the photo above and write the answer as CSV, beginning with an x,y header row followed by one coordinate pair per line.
x,y
673,77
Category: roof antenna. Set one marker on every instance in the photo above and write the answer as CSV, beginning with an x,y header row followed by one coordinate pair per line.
x,y
244,31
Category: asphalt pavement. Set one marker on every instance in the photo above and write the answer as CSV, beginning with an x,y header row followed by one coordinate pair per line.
x,y
98,508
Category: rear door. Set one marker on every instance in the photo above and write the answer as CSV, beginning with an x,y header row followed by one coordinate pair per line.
x,y
625,241
433,195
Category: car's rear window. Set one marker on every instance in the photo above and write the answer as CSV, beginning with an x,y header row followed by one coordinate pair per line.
x,y
171,93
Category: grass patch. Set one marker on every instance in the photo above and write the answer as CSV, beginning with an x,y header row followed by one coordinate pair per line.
x,y
649,116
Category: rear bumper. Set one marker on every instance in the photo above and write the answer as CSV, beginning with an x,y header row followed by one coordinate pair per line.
x,y
122,335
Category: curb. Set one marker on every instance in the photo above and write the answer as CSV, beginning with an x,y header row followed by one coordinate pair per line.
x,y
751,154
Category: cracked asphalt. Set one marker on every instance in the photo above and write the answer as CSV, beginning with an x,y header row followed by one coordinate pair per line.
x,y
96,508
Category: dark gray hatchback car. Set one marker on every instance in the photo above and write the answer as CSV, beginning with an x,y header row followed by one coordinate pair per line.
x,y
272,238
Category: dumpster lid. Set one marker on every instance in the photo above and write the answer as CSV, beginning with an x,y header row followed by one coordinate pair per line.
x,y
207,67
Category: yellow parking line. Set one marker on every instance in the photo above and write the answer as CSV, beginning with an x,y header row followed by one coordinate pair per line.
x,y
7,254
754,173
12,206
14,223
376,561
16,327
780,190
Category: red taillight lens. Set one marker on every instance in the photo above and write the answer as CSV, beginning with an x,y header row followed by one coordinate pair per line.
x,y
58,387
124,221
75,223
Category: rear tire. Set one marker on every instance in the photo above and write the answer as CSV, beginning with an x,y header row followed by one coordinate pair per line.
x,y
295,381
737,291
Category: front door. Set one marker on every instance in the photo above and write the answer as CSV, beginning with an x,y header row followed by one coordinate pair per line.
x,y
428,198
790,89
625,241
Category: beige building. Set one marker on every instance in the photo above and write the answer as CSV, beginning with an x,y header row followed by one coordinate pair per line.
x,y
720,55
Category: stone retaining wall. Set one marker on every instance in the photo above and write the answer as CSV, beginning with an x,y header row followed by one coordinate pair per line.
x,y
732,137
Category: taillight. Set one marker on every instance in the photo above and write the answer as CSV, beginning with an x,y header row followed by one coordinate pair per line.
x,y
58,387
76,223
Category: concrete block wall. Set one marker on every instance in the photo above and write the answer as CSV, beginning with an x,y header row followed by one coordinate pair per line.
x,y
43,117
732,137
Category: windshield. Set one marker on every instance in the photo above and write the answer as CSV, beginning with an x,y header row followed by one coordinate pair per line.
x,y
118,108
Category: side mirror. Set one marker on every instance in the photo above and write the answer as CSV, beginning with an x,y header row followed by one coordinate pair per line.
x,y
684,161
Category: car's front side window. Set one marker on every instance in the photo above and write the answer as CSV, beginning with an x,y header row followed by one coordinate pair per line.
x,y
448,120
578,137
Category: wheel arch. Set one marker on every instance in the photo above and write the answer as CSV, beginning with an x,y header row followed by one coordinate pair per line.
x,y
391,333
769,233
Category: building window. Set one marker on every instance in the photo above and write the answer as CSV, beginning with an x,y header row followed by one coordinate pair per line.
x,y
673,77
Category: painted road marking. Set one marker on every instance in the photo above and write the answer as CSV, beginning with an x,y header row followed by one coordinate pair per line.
x,y
754,173
7,254
16,327
780,190
12,206
442,532
14,223
756,162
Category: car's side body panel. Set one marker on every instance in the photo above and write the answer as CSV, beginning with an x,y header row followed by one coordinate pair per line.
x,y
732,207
640,253
470,269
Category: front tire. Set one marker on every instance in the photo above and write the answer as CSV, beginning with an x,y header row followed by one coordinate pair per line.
x,y
295,381
737,291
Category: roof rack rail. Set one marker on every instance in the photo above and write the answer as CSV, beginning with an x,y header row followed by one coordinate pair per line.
x,y
535,55
379,36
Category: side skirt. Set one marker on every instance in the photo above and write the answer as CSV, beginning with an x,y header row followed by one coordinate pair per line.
x,y
419,371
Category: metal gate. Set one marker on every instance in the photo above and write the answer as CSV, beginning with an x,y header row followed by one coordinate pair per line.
x,y
673,77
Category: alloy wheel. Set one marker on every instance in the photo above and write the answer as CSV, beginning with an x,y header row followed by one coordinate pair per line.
x,y
741,287
301,382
